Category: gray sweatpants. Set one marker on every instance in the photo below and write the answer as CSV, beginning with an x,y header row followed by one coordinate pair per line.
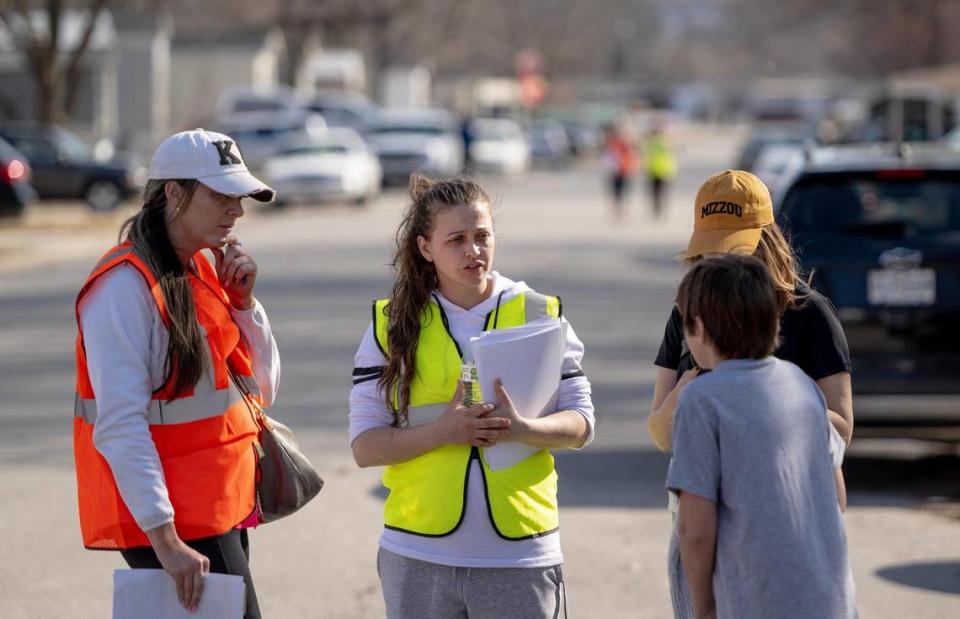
x,y
415,589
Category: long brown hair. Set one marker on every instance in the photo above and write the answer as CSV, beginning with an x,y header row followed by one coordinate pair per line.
x,y
776,253
147,230
415,280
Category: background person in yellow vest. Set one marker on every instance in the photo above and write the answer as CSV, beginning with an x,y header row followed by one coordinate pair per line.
x,y
459,538
661,164
163,441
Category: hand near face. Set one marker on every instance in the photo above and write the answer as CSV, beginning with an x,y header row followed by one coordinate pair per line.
x,y
237,272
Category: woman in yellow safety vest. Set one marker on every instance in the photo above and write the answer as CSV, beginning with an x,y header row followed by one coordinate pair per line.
x,y
661,164
460,538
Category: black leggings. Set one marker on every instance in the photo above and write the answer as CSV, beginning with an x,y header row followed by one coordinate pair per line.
x,y
228,554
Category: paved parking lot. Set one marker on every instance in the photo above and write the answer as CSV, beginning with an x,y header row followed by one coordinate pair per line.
x,y
319,269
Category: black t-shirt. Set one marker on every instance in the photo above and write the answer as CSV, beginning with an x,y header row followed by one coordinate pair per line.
x,y
810,337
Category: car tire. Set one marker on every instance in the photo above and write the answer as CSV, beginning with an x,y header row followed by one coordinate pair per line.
x,y
103,195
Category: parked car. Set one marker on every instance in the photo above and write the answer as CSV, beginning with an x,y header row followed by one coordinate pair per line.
x,y
584,137
498,145
413,140
15,189
64,167
768,137
260,135
334,165
244,100
344,109
777,163
548,141
881,234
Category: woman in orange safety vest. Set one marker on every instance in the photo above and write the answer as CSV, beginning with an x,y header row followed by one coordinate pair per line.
x,y
167,344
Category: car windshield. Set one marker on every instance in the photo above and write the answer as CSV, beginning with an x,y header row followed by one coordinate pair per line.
x,y
898,203
257,105
8,152
496,131
316,149
73,148
417,129
259,133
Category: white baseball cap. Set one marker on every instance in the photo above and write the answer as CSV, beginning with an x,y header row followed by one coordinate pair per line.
x,y
211,158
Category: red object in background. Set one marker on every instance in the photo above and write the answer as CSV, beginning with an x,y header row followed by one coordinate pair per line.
x,y
528,61
15,171
529,67
533,90
900,174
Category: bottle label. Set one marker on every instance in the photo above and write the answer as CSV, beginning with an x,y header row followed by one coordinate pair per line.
x,y
471,385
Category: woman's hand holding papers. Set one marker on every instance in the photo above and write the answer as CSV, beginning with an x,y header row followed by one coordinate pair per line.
x,y
472,425
556,430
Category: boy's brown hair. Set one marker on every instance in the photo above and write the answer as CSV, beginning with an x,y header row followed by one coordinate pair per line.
x,y
735,299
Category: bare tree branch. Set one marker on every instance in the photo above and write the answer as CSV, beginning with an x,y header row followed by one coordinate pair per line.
x,y
72,72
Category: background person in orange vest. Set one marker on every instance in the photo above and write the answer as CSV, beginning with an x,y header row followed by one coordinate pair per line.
x,y
163,439
620,163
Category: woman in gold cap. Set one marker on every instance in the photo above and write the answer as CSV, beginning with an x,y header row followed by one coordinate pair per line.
x,y
733,213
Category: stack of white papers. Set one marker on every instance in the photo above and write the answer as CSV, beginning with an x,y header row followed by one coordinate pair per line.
x,y
529,361
152,594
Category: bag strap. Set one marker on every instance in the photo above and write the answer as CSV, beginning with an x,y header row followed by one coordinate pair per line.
x,y
256,411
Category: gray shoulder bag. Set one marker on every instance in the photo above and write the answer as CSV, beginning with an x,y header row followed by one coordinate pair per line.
x,y
286,479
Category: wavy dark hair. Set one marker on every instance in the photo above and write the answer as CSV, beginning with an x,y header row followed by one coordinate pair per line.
x,y
415,280
147,230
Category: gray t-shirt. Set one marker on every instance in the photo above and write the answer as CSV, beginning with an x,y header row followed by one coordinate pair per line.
x,y
753,437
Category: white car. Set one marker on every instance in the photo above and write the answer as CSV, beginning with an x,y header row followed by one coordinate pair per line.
x,y
498,145
332,165
344,109
426,140
260,135
777,163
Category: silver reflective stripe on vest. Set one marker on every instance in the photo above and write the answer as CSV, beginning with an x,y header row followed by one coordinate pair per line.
x,y
535,306
118,252
203,404
422,415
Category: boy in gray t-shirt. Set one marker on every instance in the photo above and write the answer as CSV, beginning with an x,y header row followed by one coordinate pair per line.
x,y
760,529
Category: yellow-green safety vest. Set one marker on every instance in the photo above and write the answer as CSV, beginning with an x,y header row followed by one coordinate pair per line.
x,y
428,494
661,162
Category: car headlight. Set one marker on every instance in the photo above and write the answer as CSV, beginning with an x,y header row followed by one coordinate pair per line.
x,y
137,177
438,152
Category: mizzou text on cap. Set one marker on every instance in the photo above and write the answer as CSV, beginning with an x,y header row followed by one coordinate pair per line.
x,y
730,210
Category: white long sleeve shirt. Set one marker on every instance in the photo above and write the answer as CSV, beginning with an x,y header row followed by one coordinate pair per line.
x,y
474,543
126,345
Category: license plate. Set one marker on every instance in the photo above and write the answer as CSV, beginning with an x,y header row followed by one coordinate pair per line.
x,y
902,287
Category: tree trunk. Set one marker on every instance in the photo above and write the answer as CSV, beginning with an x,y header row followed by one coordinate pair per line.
x,y
47,92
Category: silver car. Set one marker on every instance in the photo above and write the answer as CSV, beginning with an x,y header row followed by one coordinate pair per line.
x,y
408,141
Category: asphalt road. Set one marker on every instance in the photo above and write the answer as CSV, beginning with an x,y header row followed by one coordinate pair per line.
x,y
320,267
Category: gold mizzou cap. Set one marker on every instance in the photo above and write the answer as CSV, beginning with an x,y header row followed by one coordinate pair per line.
x,y
731,208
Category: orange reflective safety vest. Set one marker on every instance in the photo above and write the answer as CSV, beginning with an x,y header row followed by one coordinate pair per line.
x,y
205,438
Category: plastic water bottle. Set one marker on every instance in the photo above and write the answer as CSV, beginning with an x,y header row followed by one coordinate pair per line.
x,y
471,384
